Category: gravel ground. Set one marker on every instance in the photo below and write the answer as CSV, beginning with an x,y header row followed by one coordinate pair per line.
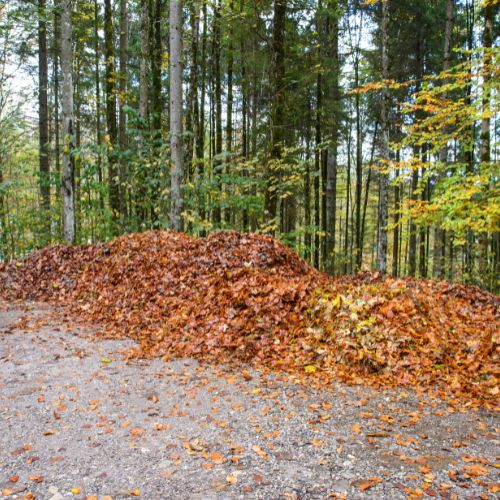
x,y
77,420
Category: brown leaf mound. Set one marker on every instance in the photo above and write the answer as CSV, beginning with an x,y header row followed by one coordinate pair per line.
x,y
247,297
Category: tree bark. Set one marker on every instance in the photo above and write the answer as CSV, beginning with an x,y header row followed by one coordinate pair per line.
x,y
143,65
331,167
317,172
97,55
113,180
57,50
485,129
216,47
439,234
277,107
175,60
68,175
384,146
122,101
43,119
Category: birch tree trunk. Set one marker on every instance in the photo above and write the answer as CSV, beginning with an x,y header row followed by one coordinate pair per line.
x,y
68,174
384,146
176,113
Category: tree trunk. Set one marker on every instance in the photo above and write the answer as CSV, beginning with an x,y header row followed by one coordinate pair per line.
x,y
143,68
439,234
192,99
114,194
57,50
384,146
229,109
277,107
397,229
43,122
359,173
331,166
367,188
97,55
200,141
307,185
347,204
156,49
122,101
177,177
485,128
317,171
216,47
68,175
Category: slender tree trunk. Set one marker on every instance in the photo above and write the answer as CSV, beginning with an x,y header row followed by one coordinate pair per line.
x,y
156,49
485,129
141,196
229,109
122,101
439,234
175,60
113,180
397,228
277,107
43,120
359,174
358,251
317,172
143,68
68,175
346,256
97,55
367,188
412,251
57,50
216,47
192,100
469,152
331,166
200,142
412,244
307,185
384,147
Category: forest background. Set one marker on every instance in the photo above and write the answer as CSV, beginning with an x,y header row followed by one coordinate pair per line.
x,y
362,134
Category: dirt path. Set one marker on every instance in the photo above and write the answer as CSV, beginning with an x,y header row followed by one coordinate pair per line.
x,y
78,421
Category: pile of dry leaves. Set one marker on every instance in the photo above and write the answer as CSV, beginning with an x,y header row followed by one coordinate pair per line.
x,y
246,297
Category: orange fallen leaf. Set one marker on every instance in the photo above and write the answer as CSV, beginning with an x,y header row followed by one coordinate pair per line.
x,y
369,483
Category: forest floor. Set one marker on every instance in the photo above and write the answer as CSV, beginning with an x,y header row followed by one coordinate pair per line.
x,y
79,420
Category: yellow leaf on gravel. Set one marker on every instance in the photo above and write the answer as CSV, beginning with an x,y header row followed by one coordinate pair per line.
x,y
262,454
135,493
356,428
75,491
231,479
